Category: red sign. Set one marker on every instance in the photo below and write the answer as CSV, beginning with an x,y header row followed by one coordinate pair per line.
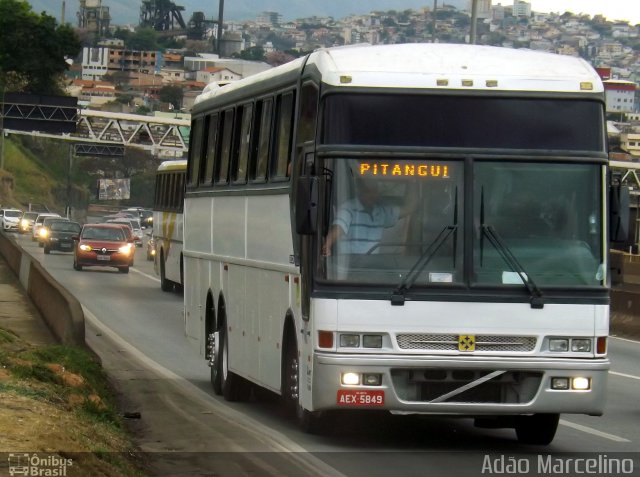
x,y
357,397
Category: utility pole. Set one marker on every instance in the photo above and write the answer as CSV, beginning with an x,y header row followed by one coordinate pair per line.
x,y
474,21
220,23
2,128
69,168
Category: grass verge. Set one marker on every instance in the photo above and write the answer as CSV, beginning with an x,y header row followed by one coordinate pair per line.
x,y
56,401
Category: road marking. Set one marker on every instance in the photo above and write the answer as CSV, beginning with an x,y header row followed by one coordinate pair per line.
x,y
278,441
624,339
630,376
595,432
145,275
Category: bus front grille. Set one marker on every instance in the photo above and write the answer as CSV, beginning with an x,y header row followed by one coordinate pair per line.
x,y
470,386
483,343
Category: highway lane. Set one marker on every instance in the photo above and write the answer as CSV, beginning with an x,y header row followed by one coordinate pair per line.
x,y
151,321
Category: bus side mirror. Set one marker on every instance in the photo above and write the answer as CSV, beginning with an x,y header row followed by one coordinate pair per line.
x,y
307,205
619,213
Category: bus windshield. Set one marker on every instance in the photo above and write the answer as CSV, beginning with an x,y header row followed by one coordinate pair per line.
x,y
385,219
381,217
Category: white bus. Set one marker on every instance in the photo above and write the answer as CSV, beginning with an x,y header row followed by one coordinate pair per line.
x,y
168,223
475,286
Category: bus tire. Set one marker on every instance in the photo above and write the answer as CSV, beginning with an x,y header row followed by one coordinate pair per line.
x,y
308,421
165,285
229,382
537,429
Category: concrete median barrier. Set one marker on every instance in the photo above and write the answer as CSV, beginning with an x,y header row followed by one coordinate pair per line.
x,y
60,309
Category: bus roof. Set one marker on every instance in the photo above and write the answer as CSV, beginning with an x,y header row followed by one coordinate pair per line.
x,y
178,165
440,66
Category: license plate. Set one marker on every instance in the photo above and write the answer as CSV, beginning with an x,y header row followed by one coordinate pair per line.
x,y
65,245
105,258
365,397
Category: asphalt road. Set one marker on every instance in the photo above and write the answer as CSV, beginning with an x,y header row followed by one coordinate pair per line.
x,y
130,320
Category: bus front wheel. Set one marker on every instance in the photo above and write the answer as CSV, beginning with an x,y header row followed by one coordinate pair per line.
x,y
537,429
308,421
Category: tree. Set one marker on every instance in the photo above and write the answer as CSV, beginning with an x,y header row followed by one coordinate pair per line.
x,y
171,94
255,53
144,39
33,49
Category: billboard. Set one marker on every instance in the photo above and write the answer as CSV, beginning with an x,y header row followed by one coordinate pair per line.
x,y
113,189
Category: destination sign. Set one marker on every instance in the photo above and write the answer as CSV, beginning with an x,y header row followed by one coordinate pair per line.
x,y
404,169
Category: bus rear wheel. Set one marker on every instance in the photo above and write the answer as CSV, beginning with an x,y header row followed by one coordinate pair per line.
x,y
229,381
537,429
213,346
165,284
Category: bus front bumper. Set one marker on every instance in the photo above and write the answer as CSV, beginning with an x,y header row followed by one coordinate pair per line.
x,y
461,385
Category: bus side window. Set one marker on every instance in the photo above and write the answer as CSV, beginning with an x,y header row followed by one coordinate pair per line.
x,y
307,114
222,172
206,176
284,121
264,141
242,144
195,151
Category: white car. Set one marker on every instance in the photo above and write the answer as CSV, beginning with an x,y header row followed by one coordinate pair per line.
x,y
37,224
10,219
135,228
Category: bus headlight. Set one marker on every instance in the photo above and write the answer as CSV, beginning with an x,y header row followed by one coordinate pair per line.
x,y
560,384
350,379
574,384
581,345
580,384
349,341
372,379
372,341
558,344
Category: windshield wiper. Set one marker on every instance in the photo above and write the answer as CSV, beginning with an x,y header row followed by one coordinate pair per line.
x,y
510,259
397,297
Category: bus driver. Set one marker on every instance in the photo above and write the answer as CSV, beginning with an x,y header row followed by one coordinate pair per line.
x,y
359,222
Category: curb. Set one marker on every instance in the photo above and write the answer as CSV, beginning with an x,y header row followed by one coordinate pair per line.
x,y
60,309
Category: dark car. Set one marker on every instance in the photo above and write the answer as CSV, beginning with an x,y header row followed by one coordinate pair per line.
x,y
103,245
60,236
43,231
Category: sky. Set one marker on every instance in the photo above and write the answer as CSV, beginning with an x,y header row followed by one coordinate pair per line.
x,y
612,9
124,11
